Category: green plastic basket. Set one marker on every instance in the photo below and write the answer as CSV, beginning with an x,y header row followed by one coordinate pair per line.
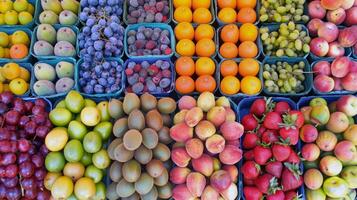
x,y
29,25
10,31
27,66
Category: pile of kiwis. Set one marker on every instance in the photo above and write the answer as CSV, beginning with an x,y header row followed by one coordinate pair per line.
x,y
140,147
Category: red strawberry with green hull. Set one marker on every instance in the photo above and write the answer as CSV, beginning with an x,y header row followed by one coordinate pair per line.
x,y
282,107
293,158
291,195
249,122
274,168
270,136
281,151
250,170
250,141
258,107
272,121
278,195
263,183
291,178
252,193
262,154
290,133
249,155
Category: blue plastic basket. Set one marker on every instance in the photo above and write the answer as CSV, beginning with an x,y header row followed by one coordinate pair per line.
x,y
53,64
151,61
104,95
354,53
10,31
27,66
211,8
150,25
34,40
29,25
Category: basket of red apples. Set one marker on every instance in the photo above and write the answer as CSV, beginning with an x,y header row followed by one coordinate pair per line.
x,y
329,137
271,166
206,150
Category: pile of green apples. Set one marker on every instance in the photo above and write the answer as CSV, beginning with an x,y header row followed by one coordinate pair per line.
x,y
19,12
329,149
77,160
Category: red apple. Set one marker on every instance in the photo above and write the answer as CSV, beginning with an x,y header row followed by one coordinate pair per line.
x,y
330,166
308,133
340,67
314,25
310,152
336,16
338,84
322,67
349,82
331,4
338,122
324,83
335,50
313,179
319,47
351,16
328,31
348,105
345,151
315,10
351,134
347,36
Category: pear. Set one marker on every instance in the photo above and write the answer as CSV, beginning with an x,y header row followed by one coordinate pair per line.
x,y
48,17
47,33
53,5
71,5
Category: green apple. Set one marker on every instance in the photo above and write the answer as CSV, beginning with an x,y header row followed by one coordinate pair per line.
x,y
25,17
315,194
60,116
11,17
318,101
89,103
335,187
4,39
20,37
104,111
349,174
20,5
76,130
100,191
73,151
74,101
86,159
90,116
61,104
5,5
104,129
54,161
72,197
2,19
92,142
101,159
94,173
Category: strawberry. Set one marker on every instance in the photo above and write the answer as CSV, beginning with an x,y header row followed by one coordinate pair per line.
x,y
252,193
274,168
278,195
261,130
263,182
249,122
272,120
270,136
291,178
281,151
262,154
293,158
294,118
249,155
250,170
249,182
292,195
282,107
250,141
258,107
290,133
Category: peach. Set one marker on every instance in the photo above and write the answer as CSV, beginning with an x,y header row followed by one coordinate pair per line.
x,y
216,164
230,115
230,193
232,171
220,180
338,84
316,10
347,4
209,193
322,68
347,36
196,183
340,67
223,101
203,164
186,102
338,122
351,16
331,4
353,66
181,192
180,116
336,16
217,115
335,50
319,46
178,175
230,155
193,116
324,83
231,130
206,101
180,157
233,142
215,144
328,31
194,147
349,82
205,129
181,132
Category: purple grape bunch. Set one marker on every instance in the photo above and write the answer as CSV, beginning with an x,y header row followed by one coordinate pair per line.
x,y
148,41
102,34
148,77
100,77
148,11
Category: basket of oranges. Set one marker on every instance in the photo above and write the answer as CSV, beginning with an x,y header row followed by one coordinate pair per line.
x,y
15,77
193,11
14,44
237,11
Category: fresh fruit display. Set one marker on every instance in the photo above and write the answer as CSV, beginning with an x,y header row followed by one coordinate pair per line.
x,y
241,11
18,12
329,149
139,150
104,77
201,69
154,77
148,11
145,41
77,160
286,77
199,41
102,35
338,75
62,12
14,45
15,78
53,79
240,77
55,41
24,126
283,11
206,150
288,39
238,42
271,163
196,11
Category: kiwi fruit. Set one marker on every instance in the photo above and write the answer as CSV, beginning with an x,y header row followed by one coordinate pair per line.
x,y
164,135
148,102
167,120
121,154
115,171
120,127
165,192
166,105
124,188
131,171
162,152
136,120
112,146
143,155
132,139
131,102
150,138
111,193
153,194
155,168
154,120
163,179
115,108
144,184
134,196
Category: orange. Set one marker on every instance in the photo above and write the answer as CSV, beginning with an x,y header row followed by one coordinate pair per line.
x,y
248,32
227,3
201,4
1,87
24,74
205,48
183,14
246,15
246,3
230,33
230,85
184,30
185,47
204,31
11,71
202,16
248,49
229,68
227,15
185,66
18,51
205,66
228,50
185,3
205,83
185,84
250,85
248,67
